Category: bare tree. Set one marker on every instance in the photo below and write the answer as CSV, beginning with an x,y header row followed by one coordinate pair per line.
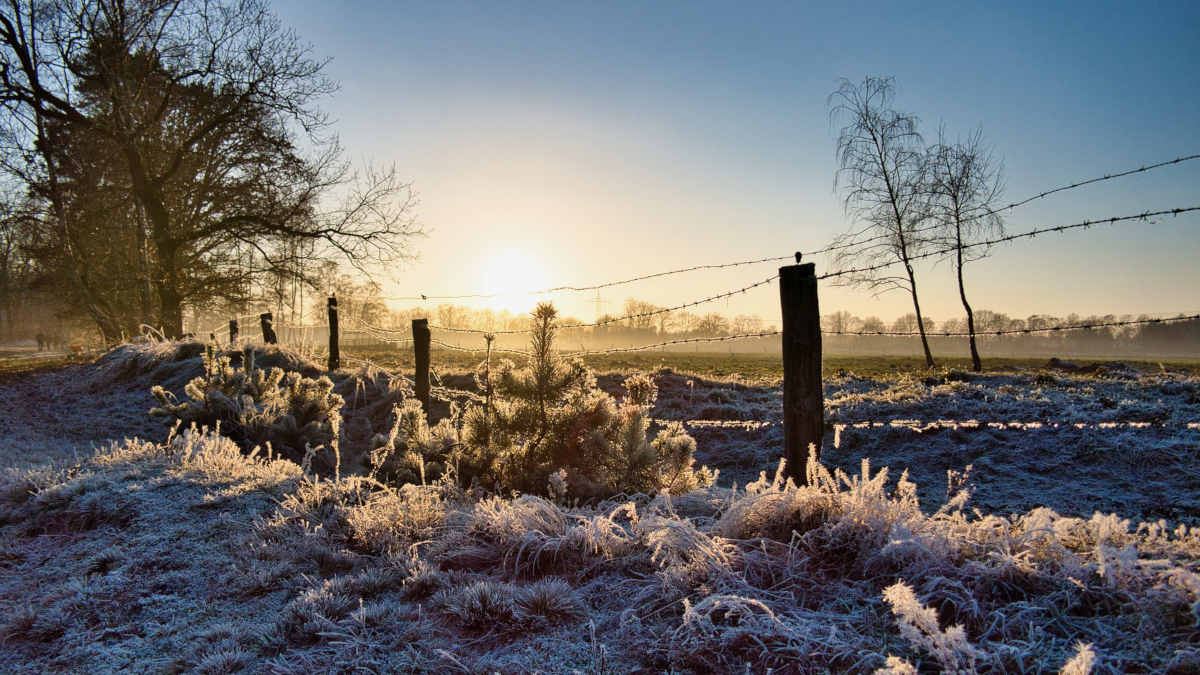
x,y
208,111
839,322
712,325
965,181
639,313
746,323
881,172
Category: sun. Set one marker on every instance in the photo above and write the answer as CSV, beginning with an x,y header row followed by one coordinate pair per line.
x,y
510,274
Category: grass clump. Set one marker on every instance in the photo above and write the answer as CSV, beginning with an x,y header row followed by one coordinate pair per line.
x,y
288,414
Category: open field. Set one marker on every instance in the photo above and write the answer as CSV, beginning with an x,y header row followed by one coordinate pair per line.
x,y
758,367
142,555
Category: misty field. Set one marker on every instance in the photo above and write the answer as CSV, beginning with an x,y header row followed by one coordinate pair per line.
x,y
1025,519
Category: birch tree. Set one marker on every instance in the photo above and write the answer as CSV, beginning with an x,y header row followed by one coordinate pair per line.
x,y
881,176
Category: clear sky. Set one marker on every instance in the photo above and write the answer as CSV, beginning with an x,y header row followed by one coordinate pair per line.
x,y
579,142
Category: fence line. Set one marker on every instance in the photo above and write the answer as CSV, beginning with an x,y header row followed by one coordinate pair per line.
x,y
607,284
681,341
1016,331
495,350
606,322
868,333
1013,205
392,339
1146,215
829,248
223,329
1177,160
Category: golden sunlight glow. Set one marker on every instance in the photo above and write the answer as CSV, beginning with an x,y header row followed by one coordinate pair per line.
x,y
509,274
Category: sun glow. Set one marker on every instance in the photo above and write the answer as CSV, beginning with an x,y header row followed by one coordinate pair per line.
x,y
509,275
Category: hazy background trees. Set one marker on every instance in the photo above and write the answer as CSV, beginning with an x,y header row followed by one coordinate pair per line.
x,y
174,155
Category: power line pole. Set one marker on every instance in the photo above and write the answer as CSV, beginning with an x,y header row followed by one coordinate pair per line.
x,y
599,304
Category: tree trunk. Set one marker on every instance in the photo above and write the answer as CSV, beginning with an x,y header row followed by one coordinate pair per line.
x,y
912,287
976,364
169,298
154,207
172,310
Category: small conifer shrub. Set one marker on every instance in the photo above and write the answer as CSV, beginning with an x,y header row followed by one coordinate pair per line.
x,y
545,428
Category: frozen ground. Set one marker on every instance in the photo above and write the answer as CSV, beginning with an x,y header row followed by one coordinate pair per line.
x,y
1114,440
147,557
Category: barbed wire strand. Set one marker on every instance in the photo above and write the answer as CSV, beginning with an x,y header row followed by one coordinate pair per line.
x,y
616,319
722,338
495,350
1008,207
1016,331
771,333
1110,176
607,284
1010,238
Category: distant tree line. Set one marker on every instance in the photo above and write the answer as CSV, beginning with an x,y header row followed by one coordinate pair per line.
x,y
1179,338
658,323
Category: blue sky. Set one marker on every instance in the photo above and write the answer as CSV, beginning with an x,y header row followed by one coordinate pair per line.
x,y
580,142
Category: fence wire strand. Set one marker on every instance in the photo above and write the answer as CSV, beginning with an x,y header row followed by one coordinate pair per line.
x,y
1019,331
1146,215
617,319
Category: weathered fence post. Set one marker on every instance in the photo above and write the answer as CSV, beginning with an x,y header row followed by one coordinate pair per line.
x,y
420,331
335,357
268,331
235,354
803,398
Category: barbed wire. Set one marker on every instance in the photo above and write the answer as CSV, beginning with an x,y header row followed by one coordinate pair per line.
x,y
826,249
383,334
224,328
1021,202
495,350
1016,331
617,319
607,284
722,338
1090,181
1009,238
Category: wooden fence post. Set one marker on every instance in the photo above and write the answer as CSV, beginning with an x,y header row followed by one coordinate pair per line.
x,y
421,337
233,332
803,398
268,330
335,358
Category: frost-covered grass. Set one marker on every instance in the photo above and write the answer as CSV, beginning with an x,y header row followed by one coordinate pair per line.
x,y
189,556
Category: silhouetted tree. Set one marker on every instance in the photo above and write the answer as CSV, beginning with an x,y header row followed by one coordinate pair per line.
x,y
881,171
203,107
839,322
640,307
713,325
964,185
